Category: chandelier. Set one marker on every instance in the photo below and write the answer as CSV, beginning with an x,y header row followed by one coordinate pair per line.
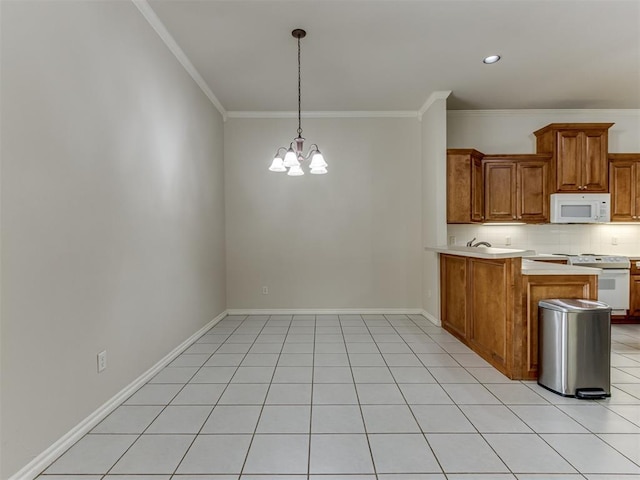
x,y
294,155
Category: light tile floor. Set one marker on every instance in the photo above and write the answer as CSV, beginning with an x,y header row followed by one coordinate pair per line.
x,y
357,397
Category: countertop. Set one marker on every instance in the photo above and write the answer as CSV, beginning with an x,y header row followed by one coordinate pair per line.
x,y
530,267
546,256
482,252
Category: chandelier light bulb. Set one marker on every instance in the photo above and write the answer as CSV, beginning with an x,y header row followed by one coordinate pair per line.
x,y
277,165
290,158
317,160
295,155
295,171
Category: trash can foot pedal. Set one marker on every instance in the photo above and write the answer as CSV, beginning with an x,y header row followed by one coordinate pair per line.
x,y
591,393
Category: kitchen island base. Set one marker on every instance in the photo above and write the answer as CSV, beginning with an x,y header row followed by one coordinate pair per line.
x,y
492,307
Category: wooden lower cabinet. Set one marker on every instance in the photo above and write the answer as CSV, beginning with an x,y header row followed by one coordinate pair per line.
x,y
540,287
634,306
634,290
493,309
453,278
478,298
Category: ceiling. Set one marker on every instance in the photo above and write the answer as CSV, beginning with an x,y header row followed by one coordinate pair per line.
x,y
390,55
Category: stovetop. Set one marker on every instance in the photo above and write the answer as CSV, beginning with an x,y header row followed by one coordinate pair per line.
x,y
599,261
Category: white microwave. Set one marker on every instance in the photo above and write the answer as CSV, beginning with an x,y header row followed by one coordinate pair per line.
x,y
580,208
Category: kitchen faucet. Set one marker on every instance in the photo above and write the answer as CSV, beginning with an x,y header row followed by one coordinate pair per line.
x,y
478,244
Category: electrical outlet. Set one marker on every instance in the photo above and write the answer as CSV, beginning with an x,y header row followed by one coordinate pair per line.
x,y
265,290
102,361
614,240
452,239
507,240
428,293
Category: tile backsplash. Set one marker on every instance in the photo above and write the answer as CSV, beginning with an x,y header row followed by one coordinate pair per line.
x,y
610,238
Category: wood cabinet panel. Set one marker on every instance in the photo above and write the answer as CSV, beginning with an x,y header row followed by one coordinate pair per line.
x,y
477,190
594,163
579,155
624,185
569,158
634,303
465,190
477,306
489,312
500,191
540,287
533,191
453,285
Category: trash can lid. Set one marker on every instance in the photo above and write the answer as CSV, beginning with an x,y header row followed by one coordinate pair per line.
x,y
573,305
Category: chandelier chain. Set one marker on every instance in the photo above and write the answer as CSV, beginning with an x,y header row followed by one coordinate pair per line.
x,y
299,93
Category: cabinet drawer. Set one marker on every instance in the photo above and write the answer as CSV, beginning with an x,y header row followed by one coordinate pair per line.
x,y
635,267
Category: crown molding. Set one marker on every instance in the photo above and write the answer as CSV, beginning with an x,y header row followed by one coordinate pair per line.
x,y
631,112
155,22
437,95
325,114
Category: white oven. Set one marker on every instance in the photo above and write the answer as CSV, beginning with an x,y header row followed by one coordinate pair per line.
x,y
613,282
613,289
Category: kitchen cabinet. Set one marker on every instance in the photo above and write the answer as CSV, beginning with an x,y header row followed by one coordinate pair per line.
x,y
579,155
539,287
624,185
453,276
477,301
465,189
516,188
634,301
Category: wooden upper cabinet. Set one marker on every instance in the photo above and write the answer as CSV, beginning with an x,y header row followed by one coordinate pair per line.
x,y
465,188
517,188
624,185
500,191
579,155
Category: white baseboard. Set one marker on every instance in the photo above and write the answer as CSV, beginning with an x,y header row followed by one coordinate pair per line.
x,y
325,311
431,318
42,461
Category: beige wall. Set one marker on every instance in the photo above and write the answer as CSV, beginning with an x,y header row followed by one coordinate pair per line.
x,y
348,239
112,213
434,198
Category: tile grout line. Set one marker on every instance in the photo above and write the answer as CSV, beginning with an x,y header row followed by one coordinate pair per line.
x,y
364,424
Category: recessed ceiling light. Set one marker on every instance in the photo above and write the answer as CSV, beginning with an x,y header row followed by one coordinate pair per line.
x,y
491,59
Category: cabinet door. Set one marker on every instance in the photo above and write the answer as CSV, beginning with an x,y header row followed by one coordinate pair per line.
x,y
634,305
635,191
453,291
594,161
569,157
500,191
490,311
533,191
539,287
623,188
477,191
465,197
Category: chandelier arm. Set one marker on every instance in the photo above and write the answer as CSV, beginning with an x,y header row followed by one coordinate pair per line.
x,y
313,149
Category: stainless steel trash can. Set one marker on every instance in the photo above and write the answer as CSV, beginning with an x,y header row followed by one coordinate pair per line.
x,y
574,347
